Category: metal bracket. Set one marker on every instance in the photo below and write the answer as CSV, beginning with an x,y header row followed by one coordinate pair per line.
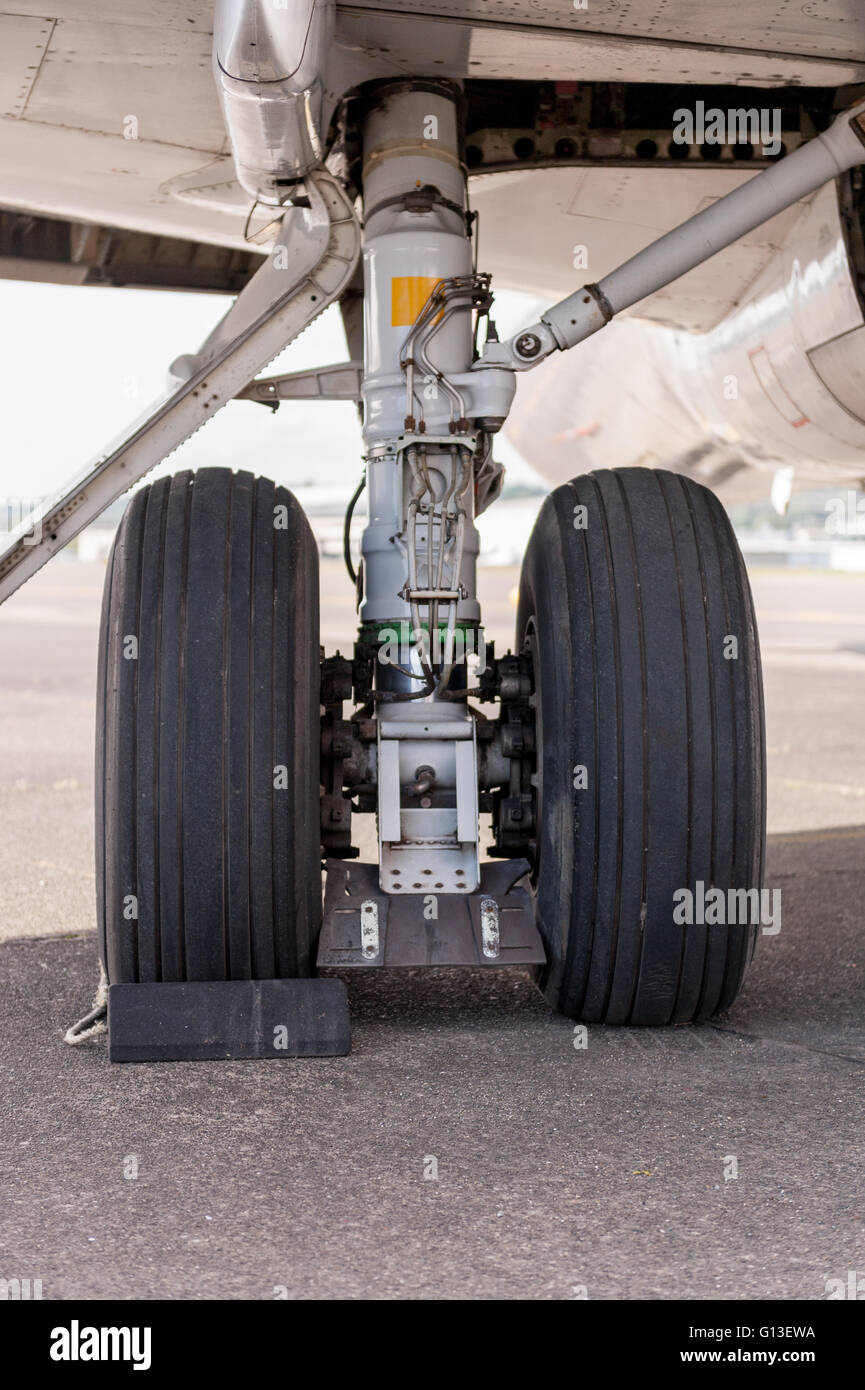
x,y
340,382
424,595
312,264
494,926
370,942
490,936
424,850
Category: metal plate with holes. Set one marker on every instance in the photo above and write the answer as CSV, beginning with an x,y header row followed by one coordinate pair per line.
x,y
427,850
365,927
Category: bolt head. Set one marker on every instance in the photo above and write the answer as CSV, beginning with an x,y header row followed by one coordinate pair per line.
x,y
528,345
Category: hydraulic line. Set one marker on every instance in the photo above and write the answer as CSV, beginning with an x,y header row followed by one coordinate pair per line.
x,y
346,533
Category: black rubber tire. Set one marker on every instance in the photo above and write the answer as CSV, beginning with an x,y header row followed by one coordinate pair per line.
x,y
224,864
627,621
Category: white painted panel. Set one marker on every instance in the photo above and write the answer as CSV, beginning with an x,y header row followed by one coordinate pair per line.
x,y
95,75
833,28
467,792
775,390
598,57
389,791
160,14
486,41
22,47
103,178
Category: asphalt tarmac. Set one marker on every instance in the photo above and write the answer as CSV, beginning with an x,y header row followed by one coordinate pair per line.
x,y
466,1148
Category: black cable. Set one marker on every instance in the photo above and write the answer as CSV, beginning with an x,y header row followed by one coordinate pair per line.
x,y
346,534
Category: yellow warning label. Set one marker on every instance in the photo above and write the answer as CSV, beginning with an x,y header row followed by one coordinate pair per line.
x,y
408,295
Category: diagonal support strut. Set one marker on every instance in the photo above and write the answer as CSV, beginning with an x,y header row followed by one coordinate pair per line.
x,y
311,265
577,317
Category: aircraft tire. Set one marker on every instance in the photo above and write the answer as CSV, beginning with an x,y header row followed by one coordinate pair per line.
x,y
207,787
635,606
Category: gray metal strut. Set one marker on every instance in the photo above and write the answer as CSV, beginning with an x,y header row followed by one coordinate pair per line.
x,y
583,313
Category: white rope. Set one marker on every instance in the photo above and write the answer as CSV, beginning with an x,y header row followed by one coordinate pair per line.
x,y
94,1022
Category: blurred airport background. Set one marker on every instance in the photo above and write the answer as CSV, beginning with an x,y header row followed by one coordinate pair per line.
x,y
82,363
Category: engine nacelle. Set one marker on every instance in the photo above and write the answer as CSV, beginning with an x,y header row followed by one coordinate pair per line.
x,y
779,382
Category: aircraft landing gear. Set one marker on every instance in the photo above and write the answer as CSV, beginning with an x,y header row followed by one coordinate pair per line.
x,y
628,766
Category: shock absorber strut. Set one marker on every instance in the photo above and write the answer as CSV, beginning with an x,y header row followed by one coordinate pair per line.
x,y
421,439
416,237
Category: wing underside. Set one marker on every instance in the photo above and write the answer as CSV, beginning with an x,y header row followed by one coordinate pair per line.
x,y
110,115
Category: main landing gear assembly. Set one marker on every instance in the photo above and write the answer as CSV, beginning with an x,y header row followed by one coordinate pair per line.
x,y
618,748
